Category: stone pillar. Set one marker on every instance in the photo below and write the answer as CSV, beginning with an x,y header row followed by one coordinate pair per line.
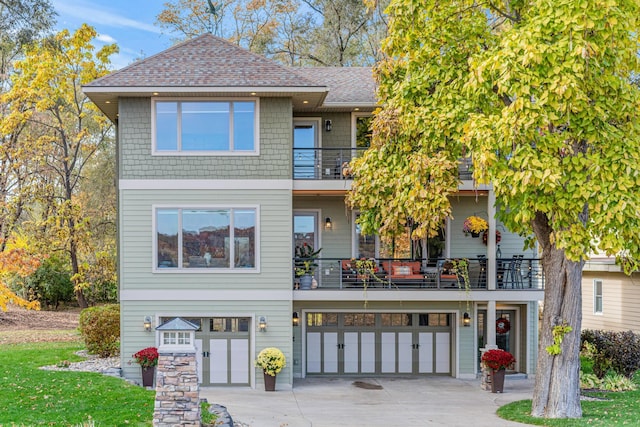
x,y
177,393
487,373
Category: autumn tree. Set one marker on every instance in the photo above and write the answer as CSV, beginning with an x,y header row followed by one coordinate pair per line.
x,y
46,94
294,32
21,22
539,94
16,262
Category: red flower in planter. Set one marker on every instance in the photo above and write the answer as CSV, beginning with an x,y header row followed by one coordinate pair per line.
x,y
147,357
498,359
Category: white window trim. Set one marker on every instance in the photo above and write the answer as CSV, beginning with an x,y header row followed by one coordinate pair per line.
x,y
211,153
182,270
595,297
316,121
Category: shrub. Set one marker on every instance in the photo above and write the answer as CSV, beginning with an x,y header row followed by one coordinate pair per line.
x,y
100,329
619,351
612,381
50,284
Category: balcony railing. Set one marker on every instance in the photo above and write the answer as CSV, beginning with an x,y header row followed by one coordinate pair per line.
x,y
323,163
514,273
333,163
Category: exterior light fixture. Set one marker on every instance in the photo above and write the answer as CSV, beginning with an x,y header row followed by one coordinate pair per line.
x,y
327,125
328,225
295,319
466,319
262,324
147,323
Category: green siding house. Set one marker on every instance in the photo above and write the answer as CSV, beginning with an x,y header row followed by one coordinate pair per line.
x,y
228,162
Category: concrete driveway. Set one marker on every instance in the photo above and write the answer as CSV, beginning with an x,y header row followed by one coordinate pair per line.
x,y
410,401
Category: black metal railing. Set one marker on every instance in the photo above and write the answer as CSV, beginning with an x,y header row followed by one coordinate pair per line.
x,y
518,272
385,273
333,163
323,163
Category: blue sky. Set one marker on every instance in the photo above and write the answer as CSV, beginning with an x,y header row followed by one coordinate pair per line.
x,y
128,23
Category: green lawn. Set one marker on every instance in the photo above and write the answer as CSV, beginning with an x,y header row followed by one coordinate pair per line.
x,y
31,396
619,409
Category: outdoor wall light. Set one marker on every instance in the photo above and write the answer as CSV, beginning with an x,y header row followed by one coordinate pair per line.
x,y
328,225
466,319
147,323
262,324
327,125
295,319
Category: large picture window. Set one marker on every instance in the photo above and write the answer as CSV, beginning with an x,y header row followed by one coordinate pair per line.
x,y
205,126
220,238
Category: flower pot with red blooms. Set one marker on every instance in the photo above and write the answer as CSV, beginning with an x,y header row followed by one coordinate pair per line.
x,y
147,358
498,361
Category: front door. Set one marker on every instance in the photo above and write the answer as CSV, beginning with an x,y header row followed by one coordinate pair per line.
x,y
506,332
305,143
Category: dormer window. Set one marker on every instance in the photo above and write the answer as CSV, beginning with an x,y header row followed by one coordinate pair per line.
x,y
205,127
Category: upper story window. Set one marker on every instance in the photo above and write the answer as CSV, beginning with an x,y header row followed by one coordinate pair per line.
x,y
205,127
208,238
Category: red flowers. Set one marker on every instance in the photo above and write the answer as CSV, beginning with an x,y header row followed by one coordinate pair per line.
x,y
498,359
147,357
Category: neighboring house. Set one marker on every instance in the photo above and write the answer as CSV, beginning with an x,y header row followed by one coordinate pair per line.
x,y
226,162
610,298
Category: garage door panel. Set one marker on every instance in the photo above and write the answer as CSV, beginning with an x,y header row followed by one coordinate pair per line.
x,y
351,353
443,352
314,352
330,353
368,353
425,353
405,352
239,360
218,361
388,352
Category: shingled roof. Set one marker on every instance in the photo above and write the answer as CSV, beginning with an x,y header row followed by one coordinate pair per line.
x,y
347,85
205,61
210,66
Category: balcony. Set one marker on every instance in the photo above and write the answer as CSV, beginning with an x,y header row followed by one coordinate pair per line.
x,y
323,163
516,273
333,163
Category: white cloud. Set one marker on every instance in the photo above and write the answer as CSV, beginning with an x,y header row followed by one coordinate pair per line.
x,y
106,38
94,14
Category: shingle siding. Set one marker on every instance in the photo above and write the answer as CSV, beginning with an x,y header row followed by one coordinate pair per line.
x,y
274,161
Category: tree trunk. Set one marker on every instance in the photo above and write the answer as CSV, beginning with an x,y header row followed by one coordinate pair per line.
x,y
75,268
557,388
